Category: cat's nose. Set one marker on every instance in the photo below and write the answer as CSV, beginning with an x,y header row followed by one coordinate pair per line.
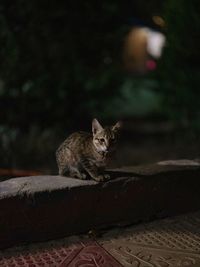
x,y
106,149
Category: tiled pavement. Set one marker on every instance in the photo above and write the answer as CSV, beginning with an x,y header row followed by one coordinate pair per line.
x,y
173,242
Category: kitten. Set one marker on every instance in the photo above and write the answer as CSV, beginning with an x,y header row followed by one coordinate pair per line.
x,y
84,153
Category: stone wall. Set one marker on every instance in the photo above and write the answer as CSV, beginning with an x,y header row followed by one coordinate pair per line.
x,y
39,208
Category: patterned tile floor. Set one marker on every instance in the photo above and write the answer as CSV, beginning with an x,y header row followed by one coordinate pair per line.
x,y
173,242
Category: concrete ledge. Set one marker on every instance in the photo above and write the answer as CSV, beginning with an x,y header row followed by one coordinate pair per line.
x,y
39,208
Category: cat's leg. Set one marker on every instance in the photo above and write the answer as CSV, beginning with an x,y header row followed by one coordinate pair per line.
x,y
76,173
62,169
92,170
71,171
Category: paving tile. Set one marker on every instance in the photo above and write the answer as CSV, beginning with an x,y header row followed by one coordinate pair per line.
x,y
60,254
171,242
133,255
43,258
92,255
50,254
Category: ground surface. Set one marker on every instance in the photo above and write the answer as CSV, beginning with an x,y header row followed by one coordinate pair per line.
x,y
172,242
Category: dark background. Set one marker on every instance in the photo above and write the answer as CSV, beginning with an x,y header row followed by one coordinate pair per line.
x,y
61,64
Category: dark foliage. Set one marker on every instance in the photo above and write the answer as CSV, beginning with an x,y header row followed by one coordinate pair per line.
x,y
59,60
179,68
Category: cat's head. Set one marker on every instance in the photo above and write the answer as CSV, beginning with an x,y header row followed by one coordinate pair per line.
x,y
104,139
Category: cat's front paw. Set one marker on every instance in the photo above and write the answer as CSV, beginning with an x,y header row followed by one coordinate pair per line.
x,y
83,176
101,178
78,175
106,176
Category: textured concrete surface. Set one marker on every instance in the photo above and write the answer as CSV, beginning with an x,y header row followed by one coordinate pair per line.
x,y
36,184
172,242
46,207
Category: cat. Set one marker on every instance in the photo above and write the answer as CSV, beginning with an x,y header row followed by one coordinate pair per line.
x,y
83,154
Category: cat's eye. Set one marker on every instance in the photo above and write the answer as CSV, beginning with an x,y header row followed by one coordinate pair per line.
x,y
112,140
101,140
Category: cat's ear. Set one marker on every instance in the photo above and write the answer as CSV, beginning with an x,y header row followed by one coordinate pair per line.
x,y
96,126
117,126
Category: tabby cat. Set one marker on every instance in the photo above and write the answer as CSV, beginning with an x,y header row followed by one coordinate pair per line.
x,y
83,154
